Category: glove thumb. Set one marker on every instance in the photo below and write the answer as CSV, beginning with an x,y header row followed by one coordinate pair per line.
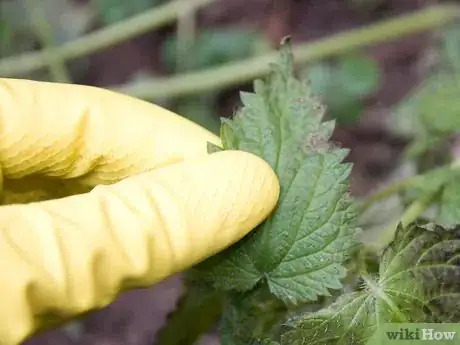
x,y
64,257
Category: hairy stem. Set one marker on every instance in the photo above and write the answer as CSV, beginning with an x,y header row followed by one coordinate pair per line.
x,y
100,39
232,74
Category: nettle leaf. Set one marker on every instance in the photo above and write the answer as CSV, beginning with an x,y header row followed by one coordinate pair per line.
x,y
213,47
440,97
431,182
359,74
419,281
212,148
344,86
445,182
249,318
449,212
450,49
300,249
113,11
418,114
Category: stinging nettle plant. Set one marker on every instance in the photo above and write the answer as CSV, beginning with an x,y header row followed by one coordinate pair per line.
x,y
304,276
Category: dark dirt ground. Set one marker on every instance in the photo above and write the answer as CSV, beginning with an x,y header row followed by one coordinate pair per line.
x,y
135,317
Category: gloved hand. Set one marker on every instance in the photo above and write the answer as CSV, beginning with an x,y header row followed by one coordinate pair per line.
x,y
161,204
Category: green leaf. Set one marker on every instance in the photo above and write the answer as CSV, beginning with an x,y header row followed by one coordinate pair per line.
x,y
405,116
449,213
112,11
65,19
423,144
213,148
344,87
419,281
249,318
196,312
429,114
451,46
213,47
431,182
359,75
300,249
342,105
321,77
439,106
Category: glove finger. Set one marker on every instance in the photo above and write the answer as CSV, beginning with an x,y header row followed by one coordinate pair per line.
x,y
64,257
95,135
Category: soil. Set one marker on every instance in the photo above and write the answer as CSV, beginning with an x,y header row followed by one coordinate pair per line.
x,y
135,317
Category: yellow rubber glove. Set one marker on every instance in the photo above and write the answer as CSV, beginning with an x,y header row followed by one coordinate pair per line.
x,y
161,204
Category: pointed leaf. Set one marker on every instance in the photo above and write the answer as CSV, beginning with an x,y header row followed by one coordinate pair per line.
x,y
299,250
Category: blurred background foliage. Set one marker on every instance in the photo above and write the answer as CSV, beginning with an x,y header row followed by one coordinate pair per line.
x,y
393,89
112,11
345,84
210,48
430,112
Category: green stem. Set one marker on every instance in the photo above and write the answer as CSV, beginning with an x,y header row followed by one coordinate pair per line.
x,y
100,39
236,73
186,34
387,192
404,184
56,64
414,211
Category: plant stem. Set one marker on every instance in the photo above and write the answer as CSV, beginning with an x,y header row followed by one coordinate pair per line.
x,y
387,192
232,74
404,184
100,39
414,211
56,64
186,34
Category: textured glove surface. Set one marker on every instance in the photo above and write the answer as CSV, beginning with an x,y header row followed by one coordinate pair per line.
x,y
161,203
